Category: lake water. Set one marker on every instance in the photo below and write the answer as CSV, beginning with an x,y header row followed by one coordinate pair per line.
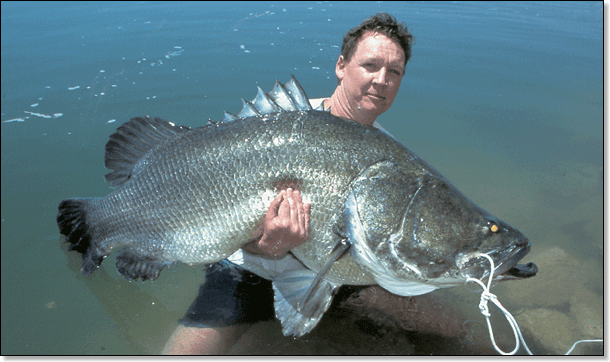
x,y
504,99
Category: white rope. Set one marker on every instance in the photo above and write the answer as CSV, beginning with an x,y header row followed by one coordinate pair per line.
x,y
486,296
583,340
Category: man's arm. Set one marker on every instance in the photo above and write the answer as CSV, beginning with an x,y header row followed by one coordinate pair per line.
x,y
286,225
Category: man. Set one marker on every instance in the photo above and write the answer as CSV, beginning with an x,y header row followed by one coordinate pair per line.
x,y
369,72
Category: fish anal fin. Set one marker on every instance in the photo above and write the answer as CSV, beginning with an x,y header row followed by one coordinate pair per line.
x,y
133,266
132,141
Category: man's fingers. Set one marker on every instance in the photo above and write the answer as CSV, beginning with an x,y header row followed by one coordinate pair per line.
x,y
286,224
284,209
303,219
274,206
300,225
275,203
294,210
296,195
307,214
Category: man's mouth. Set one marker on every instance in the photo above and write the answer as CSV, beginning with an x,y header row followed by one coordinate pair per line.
x,y
376,96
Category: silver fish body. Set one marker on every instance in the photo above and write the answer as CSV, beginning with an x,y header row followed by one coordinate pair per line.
x,y
198,195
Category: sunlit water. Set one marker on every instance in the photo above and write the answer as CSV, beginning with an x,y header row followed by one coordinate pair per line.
x,y
504,99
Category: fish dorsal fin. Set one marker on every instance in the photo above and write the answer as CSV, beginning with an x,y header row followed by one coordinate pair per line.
x,y
131,142
286,97
298,95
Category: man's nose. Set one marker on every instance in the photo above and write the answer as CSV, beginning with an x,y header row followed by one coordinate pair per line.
x,y
381,77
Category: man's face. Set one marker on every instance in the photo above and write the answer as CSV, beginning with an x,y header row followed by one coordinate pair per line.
x,y
371,78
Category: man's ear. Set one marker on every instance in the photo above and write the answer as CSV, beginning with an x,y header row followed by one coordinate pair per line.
x,y
340,67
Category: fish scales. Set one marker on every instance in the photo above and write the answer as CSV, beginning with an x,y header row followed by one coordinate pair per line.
x,y
380,215
204,193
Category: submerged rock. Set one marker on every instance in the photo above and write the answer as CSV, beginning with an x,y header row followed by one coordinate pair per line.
x,y
557,307
553,330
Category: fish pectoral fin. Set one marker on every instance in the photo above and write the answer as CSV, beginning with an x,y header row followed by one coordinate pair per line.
x,y
339,249
132,265
299,302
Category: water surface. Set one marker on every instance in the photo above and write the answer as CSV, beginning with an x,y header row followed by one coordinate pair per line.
x,y
504,99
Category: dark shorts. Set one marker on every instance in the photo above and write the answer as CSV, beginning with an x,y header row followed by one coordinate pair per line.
x,y
232,295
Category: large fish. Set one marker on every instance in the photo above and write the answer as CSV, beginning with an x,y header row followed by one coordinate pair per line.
x,y
380,215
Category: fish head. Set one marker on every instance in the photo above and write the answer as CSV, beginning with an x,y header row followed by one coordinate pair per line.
x,y
446,233
415,232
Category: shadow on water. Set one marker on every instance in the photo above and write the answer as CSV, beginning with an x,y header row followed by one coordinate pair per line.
x,y
375,322
370,322
142,318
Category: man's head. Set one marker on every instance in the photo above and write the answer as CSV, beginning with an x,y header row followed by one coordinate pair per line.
x,y
370,68
380,23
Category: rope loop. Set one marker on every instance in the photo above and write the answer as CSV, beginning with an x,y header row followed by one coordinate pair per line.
x,y
486,296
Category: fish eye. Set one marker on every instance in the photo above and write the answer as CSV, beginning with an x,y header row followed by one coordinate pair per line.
x,y
493,227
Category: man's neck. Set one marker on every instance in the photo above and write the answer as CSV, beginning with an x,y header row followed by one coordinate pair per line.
x,y
340,108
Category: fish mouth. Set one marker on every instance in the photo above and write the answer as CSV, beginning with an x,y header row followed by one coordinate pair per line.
x,y
506,264
510,269
520,271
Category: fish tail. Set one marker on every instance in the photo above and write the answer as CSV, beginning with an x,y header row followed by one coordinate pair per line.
x,y
72,222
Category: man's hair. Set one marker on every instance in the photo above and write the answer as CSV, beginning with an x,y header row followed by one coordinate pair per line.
x,y
381,23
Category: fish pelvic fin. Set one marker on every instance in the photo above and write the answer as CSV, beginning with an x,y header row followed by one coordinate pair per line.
x,y
298,306
286,97
302,296
72,222
131,142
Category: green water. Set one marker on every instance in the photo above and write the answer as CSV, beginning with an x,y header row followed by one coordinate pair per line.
x,y
504,99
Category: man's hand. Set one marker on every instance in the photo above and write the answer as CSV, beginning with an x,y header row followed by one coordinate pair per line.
x,y
286,225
